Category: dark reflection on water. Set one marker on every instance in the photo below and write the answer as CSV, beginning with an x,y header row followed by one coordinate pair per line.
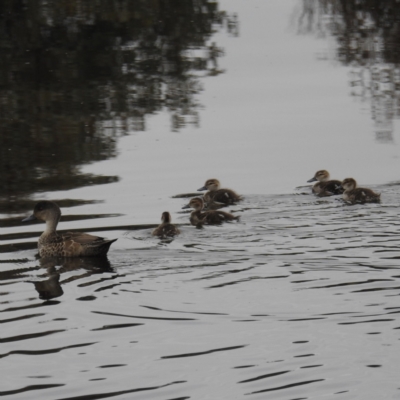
x,y
22,205
49,288
367,34
300,298
51,270
203,353
75,75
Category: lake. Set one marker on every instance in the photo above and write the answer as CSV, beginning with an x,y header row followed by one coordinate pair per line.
x,y
120,110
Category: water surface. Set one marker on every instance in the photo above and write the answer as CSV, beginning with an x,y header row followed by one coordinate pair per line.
x,y
298,298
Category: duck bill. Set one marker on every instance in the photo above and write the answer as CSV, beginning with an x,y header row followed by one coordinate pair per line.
x,y
187,206
312,179
202,188
30,218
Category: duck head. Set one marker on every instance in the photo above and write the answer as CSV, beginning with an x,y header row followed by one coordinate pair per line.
x,y
197,203
45,211
321,176
349,184
211,184
166,217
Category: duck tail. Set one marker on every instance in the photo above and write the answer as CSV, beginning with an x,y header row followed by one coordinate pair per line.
x,y
105,246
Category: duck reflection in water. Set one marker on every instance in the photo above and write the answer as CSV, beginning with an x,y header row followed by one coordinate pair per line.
x,y
69,244
217,197
325,186
198,217
55,266
49,288
354,194
166,229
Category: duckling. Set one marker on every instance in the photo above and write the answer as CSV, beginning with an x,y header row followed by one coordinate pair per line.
x,y
354,194
212,217
69,244
324,186
217,196
166,228
212,205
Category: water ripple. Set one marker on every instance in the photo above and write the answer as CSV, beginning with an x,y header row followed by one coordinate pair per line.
x,y
288,386
203,352
307,284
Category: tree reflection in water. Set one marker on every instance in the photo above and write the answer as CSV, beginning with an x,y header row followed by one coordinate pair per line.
x,y
74,75
367,33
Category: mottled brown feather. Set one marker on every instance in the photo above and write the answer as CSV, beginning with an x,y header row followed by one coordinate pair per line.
x,y
224,196
216,194
354,194
328,187
211,217
69,244
166,229
325,186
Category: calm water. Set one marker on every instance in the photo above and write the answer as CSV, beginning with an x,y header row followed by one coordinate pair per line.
x,y
111,109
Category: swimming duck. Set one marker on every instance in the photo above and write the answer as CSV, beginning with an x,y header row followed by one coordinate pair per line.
x,y
324,186
218,196
166,228
354,194
212,217
69,244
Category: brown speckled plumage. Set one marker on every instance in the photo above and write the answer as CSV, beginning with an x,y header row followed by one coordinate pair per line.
x,y
354,194
212,217
69,244
217,195
166,229
325,186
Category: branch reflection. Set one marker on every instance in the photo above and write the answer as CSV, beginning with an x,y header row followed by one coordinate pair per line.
x,y
367,34
76,75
